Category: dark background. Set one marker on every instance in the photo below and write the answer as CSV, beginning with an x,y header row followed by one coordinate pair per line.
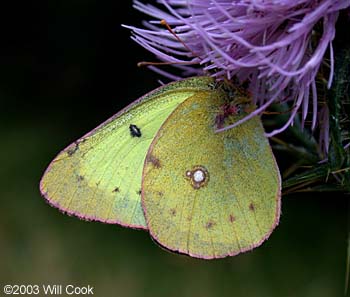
x,y
66,66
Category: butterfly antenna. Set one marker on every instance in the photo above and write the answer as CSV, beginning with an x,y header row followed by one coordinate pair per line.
x,y
167,26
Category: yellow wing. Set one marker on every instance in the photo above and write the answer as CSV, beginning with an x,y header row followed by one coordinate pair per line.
x,y
98,177
207,194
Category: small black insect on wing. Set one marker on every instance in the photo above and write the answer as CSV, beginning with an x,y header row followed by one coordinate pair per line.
x,y
135,131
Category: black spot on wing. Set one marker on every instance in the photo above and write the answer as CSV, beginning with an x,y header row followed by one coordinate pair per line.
x,y
209,225
135,131
232,218
154,161
80,178
73,148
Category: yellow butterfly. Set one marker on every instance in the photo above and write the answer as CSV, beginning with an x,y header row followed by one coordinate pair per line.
x,y
158,164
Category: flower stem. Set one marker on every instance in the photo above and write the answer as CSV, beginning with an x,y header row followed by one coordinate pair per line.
x,y
334,174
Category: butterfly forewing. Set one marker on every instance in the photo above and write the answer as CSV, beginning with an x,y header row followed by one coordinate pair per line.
x,y
98,177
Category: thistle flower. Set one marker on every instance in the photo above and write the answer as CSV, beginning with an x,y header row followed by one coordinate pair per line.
x,y
277,46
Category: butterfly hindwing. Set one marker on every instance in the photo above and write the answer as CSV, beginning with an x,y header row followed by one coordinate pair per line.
x,y
208,194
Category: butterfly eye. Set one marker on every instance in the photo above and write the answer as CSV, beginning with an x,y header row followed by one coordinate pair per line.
x,y
135,131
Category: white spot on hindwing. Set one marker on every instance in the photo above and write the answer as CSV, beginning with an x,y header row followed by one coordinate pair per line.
x,y
198,176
